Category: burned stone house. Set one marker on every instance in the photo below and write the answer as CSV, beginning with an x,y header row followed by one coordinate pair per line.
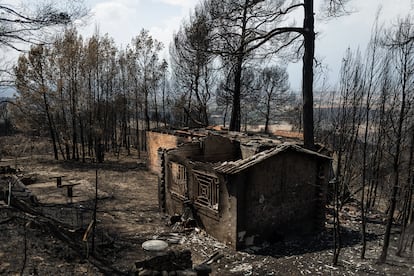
x,y
243,187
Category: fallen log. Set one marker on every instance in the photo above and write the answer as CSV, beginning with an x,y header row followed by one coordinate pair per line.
x,y
214,257
168,261
70,237
6,220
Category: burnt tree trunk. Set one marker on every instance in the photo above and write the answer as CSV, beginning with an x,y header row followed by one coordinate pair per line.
x,y
49,116
51,128
396,170
235,120
82,140
267,120
146,109
235,111
307,74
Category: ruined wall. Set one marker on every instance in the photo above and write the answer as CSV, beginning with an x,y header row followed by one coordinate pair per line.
x,y
156,140
281,197
217,148
174,158
219,221
247,151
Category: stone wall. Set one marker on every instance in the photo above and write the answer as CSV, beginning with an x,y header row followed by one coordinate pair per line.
x,y
217,148
221,222
280,196
157,140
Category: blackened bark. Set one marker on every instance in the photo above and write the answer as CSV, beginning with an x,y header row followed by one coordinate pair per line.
x,y
235,111
307,74
82,140
337,225
266,130
364,177
163,103
396,167
74,133
49,116
235,120
146,109
408,198
51,129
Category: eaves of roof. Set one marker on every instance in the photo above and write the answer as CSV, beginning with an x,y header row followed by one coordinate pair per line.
x,y
234,167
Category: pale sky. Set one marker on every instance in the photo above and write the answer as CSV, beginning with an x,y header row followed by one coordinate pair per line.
x,y
123,19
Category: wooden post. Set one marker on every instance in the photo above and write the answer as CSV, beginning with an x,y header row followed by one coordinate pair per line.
x,y
94,211
58,181
70,190
10,192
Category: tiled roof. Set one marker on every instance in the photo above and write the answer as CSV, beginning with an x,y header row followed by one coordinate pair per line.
x,y
234,167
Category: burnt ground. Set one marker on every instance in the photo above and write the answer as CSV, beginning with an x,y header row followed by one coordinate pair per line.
x,y
128,215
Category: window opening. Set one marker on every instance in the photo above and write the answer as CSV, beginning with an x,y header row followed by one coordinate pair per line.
x,y
178,178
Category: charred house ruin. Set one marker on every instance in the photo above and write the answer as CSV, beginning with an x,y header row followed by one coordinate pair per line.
x,y
241,187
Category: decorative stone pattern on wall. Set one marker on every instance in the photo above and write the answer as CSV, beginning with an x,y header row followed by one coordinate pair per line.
x,y
207,192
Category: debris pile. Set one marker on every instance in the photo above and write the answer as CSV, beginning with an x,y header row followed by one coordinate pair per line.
x,y
7,170
171,263
12,184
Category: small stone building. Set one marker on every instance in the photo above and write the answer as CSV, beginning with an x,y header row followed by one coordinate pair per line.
x,y
238,190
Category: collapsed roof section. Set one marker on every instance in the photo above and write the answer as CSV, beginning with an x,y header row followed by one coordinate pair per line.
x,y
232,152
234,167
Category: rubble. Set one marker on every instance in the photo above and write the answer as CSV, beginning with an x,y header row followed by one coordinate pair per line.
x,y
7,170
18,189
171,263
